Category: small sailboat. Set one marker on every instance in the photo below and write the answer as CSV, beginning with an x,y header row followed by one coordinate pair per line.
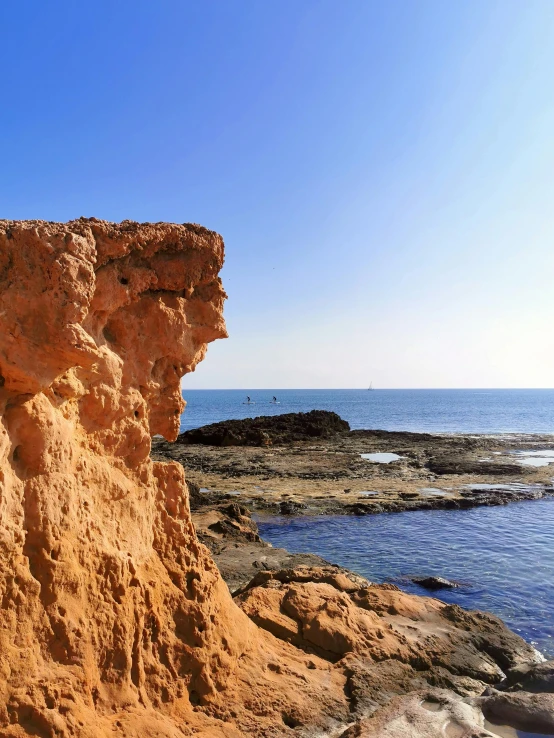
x,y
370,388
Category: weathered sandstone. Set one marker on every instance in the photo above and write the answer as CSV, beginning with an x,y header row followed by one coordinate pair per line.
x,y
114,620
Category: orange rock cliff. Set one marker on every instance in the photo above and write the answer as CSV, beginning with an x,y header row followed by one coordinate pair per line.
x,y
114,620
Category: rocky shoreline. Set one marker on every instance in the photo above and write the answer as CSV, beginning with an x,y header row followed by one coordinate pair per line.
x,y
317,466
115,620
413,666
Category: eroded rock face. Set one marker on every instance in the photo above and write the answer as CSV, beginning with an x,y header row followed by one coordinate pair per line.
x,y
114,619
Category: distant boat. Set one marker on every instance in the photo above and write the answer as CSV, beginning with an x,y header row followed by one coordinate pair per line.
x,y
370,388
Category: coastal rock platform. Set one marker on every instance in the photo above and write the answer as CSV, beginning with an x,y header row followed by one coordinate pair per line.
x,y
300,473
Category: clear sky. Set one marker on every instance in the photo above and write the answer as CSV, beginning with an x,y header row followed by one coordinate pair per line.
x,y
382,172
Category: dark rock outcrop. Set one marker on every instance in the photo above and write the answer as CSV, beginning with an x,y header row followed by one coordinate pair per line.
x,y
461,465
531,678
434,583
267,430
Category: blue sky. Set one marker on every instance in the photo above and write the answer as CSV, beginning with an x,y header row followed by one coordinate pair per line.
x,y
382,172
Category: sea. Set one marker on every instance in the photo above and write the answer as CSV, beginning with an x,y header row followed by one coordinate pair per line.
x,y
503,556
429,411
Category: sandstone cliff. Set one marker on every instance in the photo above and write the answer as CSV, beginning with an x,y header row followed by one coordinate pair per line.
x,y
114,619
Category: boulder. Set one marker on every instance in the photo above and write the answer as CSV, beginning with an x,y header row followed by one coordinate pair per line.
x,y
531,678
434,583
533,713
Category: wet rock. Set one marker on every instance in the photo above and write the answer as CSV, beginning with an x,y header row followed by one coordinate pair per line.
x,y
461,465
434,583
289,507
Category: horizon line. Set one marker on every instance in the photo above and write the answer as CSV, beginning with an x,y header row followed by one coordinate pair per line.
x,y
360,389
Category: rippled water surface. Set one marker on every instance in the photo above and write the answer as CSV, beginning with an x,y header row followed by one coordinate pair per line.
x,y
504,554
438,411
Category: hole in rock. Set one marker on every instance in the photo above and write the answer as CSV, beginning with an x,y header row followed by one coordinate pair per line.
x,y
108,334
194,697
289,721
137,414
2,381
124,280
50,701
191,577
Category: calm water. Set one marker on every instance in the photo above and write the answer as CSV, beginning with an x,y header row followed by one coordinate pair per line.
x,y
440,411
504,554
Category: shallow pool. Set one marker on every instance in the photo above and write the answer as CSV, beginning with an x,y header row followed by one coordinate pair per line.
x,y
381,457
535,458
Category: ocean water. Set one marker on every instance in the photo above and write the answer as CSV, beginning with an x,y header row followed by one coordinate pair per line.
x,y
435,411
503,555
